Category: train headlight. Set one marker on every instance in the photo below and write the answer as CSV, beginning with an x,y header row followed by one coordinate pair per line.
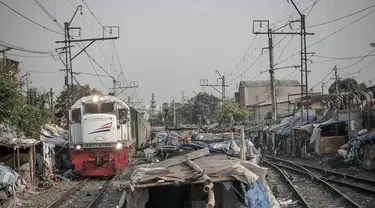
x,y
78,147
95,99
101,98
118,146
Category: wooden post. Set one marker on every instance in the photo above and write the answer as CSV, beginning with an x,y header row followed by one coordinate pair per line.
x,y
18,160
30,165
243,143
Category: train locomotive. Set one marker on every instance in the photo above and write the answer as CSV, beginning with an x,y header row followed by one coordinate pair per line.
x,y
100,135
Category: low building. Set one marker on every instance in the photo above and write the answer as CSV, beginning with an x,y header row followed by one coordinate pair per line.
x,y
256,95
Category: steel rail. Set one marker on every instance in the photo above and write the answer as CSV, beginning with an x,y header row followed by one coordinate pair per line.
x,y
322,170
105,186
319,179
296,192
66,195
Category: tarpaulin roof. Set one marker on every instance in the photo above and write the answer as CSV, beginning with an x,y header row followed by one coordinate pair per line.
x,y
10,138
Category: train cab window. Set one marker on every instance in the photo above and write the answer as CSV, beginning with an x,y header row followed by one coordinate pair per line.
x,y
76,115
91,108
107,107
122,113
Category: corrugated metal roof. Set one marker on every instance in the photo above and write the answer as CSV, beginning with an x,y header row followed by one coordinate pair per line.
x,y
265,83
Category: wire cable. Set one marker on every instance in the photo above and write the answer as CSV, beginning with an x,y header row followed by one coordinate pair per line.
x,y
328,36
365,67
30,20
18,48
248,68
350,65
243,57
340,18
49,15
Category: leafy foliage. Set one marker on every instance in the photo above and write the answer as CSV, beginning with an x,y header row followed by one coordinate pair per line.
x,y
14,109
199,109
77,93
347,85
230,110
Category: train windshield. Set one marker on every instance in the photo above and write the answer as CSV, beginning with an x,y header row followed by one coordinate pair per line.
x,y
99,108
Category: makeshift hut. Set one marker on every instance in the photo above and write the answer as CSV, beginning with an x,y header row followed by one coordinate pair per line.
x,y
181,182
19,153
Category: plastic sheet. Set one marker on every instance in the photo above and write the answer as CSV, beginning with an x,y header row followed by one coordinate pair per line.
x,y
256,197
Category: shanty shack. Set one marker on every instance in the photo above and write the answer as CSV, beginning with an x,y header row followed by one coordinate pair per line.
x,y
197,180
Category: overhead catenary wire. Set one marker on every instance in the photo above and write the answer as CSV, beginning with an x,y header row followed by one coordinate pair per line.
x,y
343,17
322,80
343,58
30,20
248,68
18,48
243,57
328,36
350,65
365,67
49,14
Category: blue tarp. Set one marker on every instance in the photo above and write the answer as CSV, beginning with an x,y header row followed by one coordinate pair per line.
x,y
163,137
256,197
367,137
286,131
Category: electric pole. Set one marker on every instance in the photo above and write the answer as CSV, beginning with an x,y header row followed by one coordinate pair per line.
x,y
322,88
337,80
51,105
272,75
303,66
204,82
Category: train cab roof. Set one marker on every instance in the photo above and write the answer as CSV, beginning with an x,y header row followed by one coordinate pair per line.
x,y
97,98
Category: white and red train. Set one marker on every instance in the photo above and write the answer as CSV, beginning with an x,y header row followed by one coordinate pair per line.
x,y
100,135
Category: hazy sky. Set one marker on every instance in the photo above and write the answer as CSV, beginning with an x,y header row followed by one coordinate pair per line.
x,y
169,45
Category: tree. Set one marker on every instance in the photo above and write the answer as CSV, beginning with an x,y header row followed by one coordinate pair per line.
x,y
14,109
230,110
77,93
199,108
347,85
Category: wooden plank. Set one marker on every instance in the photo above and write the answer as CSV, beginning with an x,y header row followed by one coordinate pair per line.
x,y
181,159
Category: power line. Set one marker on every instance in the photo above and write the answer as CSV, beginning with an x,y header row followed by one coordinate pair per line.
x,y
350,65
330,35
14,47
24,56
243,57
30,20
322,80
282,51
49,14
248,68
344,58
340,18
359,71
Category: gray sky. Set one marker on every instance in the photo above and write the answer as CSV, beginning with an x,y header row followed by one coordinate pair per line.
x,y
169,45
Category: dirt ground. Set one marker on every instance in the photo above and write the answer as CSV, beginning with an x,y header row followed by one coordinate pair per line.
x,y
34,197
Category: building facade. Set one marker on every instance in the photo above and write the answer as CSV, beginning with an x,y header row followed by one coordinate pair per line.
x,y
256,95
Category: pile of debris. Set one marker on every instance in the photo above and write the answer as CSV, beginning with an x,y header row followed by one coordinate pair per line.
x,y
198,179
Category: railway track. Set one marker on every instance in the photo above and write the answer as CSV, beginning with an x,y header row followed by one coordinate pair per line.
x,y
87,193
351,190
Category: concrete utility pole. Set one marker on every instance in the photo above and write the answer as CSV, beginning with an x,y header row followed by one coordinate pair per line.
x,y
51,105
272,75
337,80
322,88
303,34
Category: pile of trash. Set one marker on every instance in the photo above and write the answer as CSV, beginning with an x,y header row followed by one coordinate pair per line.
x,y
11,183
